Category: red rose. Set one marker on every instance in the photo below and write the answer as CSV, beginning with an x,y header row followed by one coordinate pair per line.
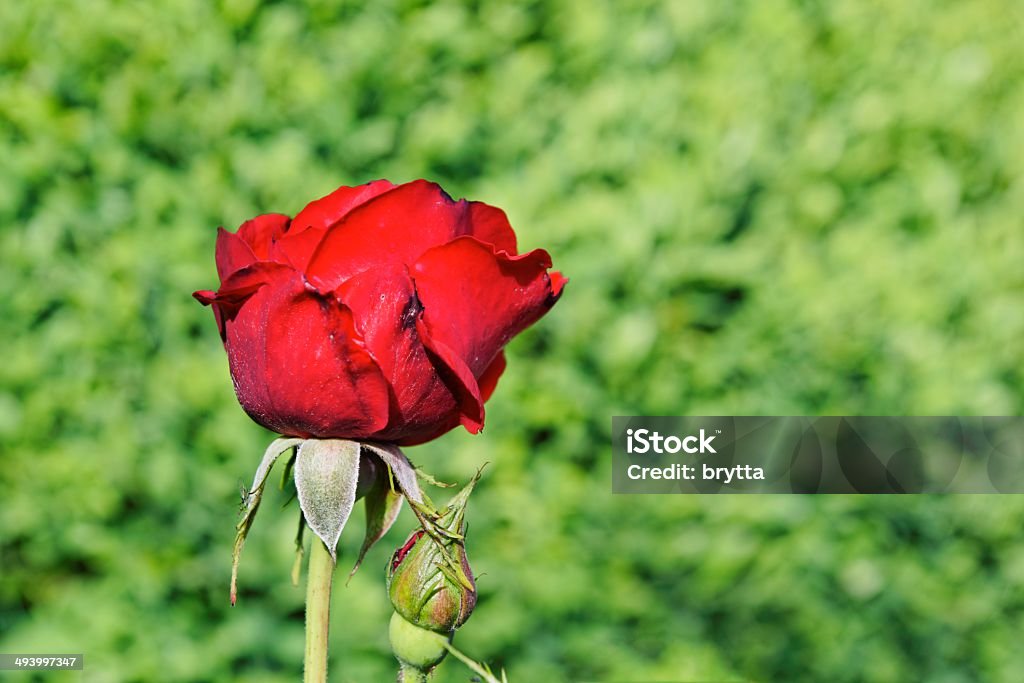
x,y
379,312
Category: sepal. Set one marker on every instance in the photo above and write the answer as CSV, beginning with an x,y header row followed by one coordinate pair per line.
x,y
251,502
326,479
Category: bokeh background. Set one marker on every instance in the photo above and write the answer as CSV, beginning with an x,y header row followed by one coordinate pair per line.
x,y
770,207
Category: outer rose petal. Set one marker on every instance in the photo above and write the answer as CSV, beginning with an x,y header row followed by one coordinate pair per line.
x,y
470,398
471,402
490,225
558,282
233,253
324,212
394,227
237,288
311,224
460,377
475,300
489,378
299,366
385,308
250,244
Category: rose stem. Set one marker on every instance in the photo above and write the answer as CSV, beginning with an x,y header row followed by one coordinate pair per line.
x,y
318,611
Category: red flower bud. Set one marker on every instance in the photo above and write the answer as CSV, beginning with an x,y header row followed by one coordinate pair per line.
x,y
379,312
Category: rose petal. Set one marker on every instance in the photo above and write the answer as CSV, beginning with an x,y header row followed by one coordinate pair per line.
x,y
204,296
232,253
250,244
261,231
460,378
490,225
558,282
470,400
489,379
295,248
299,366
475,300
385,309
311,224
324,212
394,227
237,288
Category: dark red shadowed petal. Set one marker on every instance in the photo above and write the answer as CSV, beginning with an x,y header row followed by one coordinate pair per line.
x,y
396,227
473,410
459,377
386,309
204,296
311,224
489,380
300,367
475,300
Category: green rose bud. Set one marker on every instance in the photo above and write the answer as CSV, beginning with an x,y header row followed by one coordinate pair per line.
x,y
429,579
416,647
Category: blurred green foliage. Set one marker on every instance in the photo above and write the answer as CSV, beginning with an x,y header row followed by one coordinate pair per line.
x,y
771,207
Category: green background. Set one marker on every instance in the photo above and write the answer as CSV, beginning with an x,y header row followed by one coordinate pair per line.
x,y
766,207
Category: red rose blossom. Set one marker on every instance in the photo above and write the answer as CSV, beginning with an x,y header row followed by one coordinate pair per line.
x,y
379,312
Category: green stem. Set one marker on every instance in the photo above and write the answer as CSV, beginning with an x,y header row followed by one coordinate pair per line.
x,y
480,671
410,674
318,612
